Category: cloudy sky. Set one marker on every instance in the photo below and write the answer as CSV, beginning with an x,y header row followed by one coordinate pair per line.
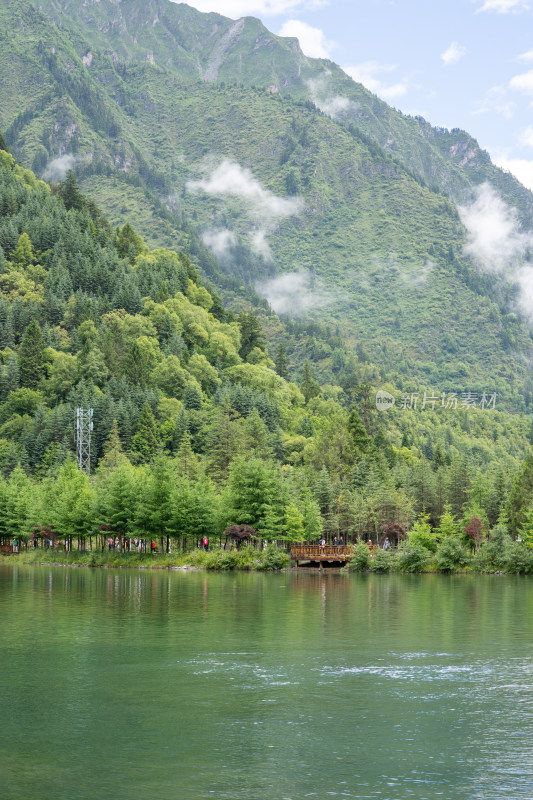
x,y
458,63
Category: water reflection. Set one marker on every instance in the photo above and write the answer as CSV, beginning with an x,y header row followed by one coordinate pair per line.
x,y
170,685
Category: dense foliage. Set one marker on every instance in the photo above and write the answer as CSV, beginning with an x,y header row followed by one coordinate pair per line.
x,y
195,427
143,115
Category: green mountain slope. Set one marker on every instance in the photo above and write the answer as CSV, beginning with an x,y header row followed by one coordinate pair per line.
x,y
371,248
210,47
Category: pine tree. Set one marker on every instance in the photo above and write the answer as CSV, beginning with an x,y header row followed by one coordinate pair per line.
x,y
324,491
113,454
70,193
308,385
251,334
23,255
192,397
186,461
31,356
224,441
293,526
145,441
358,435
256,433
312,518
281,362
521,495
118,498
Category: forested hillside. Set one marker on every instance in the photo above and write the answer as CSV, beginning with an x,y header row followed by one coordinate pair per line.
x,y
267,193
191,414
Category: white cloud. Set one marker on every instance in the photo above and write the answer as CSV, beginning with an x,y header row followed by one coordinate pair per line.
x,y
526,137
260,8
523,82
497,102
453,54
495,240
321,94
57,169
504,6
229,179
312,40
259,244
367,74
497,244
524,279
526,56
521,168
219,241
294,293
417,275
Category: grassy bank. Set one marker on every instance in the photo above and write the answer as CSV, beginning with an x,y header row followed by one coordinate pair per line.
x,y
247,558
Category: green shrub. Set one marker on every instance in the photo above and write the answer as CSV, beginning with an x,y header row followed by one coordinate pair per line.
x,y
273,558
421,534
412,557
360,559
382,561
493,555
519,558
451,555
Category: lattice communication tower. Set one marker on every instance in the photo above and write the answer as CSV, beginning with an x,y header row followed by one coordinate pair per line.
x,y
84,426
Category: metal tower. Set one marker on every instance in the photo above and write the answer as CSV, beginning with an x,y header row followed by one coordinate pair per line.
x,y
84,426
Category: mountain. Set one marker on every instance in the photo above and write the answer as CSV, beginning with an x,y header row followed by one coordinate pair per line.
x,y
205,132
212,48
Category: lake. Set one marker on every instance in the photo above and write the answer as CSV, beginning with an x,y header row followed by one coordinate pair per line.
x,y
149,685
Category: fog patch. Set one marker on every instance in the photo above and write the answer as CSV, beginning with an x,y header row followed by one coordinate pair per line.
x,y
294,293
219,241
56,170
524,279
417,276
333,105
259,245
495,241
232,180
497,244
264,208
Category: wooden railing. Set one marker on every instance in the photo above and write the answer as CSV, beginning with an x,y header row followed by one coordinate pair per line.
x,y
304,551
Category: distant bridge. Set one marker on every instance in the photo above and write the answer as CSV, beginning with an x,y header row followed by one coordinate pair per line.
x,y
314,554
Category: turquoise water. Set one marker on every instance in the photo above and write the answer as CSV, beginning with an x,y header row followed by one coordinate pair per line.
x,y
146,685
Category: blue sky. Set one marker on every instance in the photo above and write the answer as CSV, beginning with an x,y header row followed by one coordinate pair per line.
x,y
460,63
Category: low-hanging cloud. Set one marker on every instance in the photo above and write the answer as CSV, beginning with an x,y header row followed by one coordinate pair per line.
x,y
57,169
331,104
497,243
294,293
229,179
220,241
232,180
495,240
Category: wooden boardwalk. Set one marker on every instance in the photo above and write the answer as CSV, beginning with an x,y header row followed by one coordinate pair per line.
x,y
315,554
